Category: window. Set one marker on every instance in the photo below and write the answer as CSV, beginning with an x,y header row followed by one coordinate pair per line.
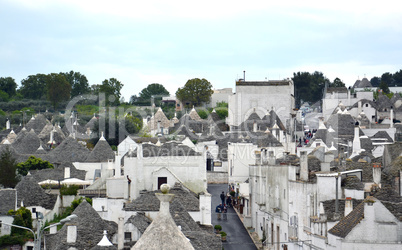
x,y
34,210
29,248
127,236
366,104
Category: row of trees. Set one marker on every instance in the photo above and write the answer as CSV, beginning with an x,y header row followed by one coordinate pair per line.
x,y
391,80
58,87
195,92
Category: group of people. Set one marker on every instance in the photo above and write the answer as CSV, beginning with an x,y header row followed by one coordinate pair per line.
x,y
223,207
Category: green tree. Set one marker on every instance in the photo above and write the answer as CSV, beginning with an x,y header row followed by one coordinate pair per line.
x,y
8,85
398,78
34,87
58,89
4,97
32,163
375,81
384,87
153,90
8,167
337,83
387,78
79,83
22,217
111,88
195,92
309,87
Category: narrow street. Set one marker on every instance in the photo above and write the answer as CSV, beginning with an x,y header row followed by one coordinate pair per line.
x,y
237,235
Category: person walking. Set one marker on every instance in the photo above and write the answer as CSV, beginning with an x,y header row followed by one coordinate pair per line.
x,y
229,201
223,197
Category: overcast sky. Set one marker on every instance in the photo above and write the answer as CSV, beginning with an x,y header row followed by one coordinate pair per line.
x,y
169,42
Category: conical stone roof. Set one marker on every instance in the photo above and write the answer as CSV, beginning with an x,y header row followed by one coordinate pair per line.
x,y
37,123
28,144
163,232
70,150
102,152
90,227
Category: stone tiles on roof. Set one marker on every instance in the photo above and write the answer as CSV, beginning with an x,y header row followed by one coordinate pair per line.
x,y
90,227
148,201
70,150
58,134
37,123
28,144
7,200
346,224
102,152
382,135
57,173
140,221
194,115
31,194
159,117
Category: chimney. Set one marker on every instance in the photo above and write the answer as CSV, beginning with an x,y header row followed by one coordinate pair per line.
x,y
348,205
244,75
356,140
254,126
66,172
264,156
359,107
71,234
391,117
377,173
257,157
165,198
8,124
120,235
303,166
271,158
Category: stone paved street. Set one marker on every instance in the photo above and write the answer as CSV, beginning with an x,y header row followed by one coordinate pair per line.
x,y
237,236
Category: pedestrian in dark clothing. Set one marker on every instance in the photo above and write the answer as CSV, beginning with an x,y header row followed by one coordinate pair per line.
x,y
228,201
223,197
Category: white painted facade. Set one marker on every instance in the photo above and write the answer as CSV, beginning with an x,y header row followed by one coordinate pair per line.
x,y
379,229
144,171
262,97
332,100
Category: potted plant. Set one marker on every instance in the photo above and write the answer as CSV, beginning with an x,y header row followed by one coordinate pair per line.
x,y
218,228
223,236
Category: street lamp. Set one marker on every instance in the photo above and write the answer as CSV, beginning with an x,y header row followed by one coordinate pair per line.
x,y
39,232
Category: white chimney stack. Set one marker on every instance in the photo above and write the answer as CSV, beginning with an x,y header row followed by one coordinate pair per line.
x,y
377,173
348,205
356,141
303,166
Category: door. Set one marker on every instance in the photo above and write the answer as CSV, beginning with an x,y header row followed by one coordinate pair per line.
x,y
161,180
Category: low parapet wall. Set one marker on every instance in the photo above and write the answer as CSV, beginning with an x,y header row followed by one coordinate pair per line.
x,y
217,177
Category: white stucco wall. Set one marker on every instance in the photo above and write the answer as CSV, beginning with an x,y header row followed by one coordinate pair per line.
x,y
144,172
280,98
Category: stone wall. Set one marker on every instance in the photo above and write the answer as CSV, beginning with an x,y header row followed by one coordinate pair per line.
x,y
217,177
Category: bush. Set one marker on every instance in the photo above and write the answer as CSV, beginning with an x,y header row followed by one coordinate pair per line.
x,y
69,190
222,233
218,227
8,240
